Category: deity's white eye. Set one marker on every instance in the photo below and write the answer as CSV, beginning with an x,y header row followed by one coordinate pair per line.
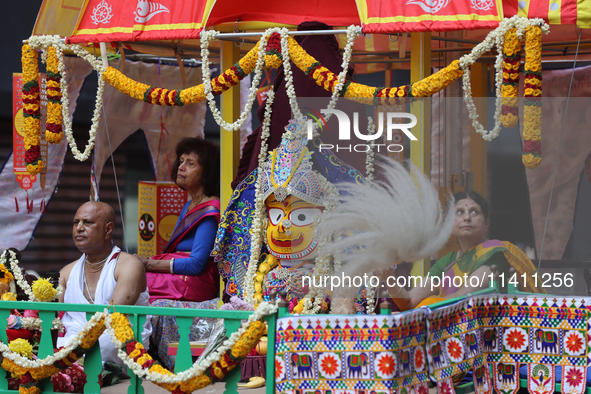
x,y
304,216
276,215
151,225
142,224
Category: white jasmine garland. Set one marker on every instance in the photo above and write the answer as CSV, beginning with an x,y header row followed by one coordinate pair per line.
x,y
258,224
352,33
495,37
322,265
263,309
34,324
369,158
36,42
208,35
25,362
370,296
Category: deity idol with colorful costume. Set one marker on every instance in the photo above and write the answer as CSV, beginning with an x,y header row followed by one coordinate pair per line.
x,y
295,195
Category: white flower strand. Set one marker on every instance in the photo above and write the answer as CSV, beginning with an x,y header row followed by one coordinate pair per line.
x,y
290,90
25,362
208,35
258,227
16,272
60,47
198,368
369,169
20,280
34,324
322,264
369,158
352,33
67,121
495,37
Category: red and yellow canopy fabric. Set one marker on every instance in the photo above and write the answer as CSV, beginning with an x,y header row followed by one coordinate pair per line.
x,y
149,20
555,12
141,20
379,16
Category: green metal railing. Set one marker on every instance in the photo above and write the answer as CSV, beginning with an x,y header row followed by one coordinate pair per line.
x,y
137,317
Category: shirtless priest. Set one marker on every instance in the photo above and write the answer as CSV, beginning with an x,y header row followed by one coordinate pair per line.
x,y
103,275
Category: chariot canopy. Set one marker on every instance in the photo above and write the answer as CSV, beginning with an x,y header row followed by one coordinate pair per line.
x,y
142,20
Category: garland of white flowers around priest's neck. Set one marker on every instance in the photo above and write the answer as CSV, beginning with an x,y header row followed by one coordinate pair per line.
x,y
495,37
37,42
263,309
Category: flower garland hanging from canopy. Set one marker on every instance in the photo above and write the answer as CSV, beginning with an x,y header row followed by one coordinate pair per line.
x,y
271,50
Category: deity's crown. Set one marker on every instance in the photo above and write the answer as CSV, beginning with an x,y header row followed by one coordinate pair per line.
x,y
288,170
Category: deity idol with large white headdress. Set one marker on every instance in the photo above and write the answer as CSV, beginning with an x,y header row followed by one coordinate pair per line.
x,y
295,196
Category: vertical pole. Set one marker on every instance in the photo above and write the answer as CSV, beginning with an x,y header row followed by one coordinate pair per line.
x,y
93,366
271,334
229,142
478,155
4,315
135,383
420,150
454,130
233,377
46,345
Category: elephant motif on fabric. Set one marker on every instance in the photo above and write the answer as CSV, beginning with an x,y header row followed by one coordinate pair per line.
x,y
302,365
437,354
356,362
471,343
479,377
547,341
489,339
404,359
506,372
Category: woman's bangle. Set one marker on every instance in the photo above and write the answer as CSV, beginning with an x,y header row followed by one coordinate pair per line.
x,y
172,265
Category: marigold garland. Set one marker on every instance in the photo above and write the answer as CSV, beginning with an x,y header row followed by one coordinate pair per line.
x,y
31,111
53,132
228,361
269,262
532,111
314,69
510,88
273,58
41,369
195,94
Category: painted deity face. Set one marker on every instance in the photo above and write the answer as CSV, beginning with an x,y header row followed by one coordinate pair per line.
x,y
290,230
